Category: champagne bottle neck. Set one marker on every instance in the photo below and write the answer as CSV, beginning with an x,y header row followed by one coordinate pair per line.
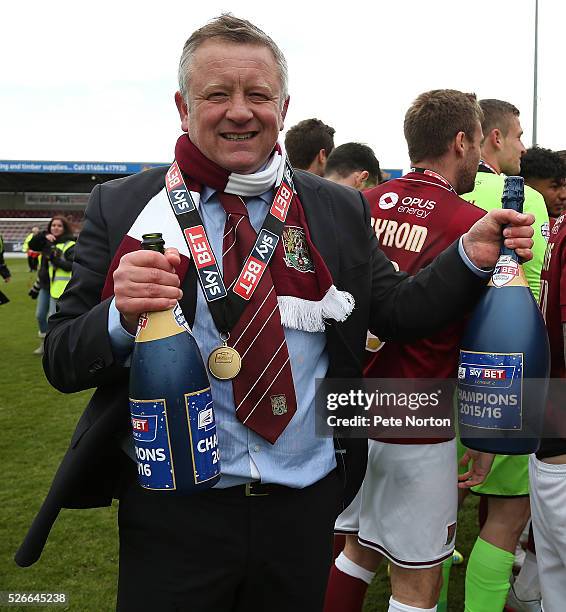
x,y
505,251
513,198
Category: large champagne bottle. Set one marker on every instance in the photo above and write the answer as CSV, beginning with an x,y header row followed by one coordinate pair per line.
x,y
504,358
173,424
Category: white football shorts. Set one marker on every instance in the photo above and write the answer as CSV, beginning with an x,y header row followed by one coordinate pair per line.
x,y
407,506
548,509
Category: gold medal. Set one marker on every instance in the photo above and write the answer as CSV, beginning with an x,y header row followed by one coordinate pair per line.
x,y
224,362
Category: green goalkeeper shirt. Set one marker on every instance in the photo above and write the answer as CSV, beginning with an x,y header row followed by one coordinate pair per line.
x,y
487,195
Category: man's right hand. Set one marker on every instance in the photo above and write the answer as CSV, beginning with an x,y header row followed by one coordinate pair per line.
x,y
146,281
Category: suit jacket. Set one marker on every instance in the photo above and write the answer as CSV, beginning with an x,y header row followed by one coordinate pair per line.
x,y
78,353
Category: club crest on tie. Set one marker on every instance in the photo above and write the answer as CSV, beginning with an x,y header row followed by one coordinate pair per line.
x,y
278,404
297,253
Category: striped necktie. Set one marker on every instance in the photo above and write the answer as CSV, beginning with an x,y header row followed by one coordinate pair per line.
x,y
264,393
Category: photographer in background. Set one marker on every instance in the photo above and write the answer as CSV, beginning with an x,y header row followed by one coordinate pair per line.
x,y
57,246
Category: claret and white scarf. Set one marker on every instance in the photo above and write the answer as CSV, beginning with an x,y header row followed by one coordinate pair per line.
x,y
306,294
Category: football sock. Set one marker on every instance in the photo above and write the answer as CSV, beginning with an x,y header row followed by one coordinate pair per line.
x,y
347,586
442,605
487,577
526,585
396,606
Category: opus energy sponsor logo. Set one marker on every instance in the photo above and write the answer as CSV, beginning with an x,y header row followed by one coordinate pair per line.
x,y
419,207
409,205
388,200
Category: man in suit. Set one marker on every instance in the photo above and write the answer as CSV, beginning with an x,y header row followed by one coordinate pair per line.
x,y
261,539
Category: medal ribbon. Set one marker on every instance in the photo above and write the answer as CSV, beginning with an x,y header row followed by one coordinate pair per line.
x,y
435,175
227,305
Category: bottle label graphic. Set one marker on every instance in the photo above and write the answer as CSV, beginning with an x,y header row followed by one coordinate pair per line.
x,y
507,273
490,389
152,444
202,432
163,324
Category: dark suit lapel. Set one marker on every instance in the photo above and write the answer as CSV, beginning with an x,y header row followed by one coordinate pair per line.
x,y
319,211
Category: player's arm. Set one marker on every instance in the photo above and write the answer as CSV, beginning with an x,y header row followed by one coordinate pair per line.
x,y
406,309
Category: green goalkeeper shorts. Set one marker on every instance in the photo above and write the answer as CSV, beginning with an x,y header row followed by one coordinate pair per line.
x,y
509,475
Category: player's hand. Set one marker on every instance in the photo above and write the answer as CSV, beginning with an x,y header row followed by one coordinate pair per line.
x,y
50,237
477,471
483,240
146,281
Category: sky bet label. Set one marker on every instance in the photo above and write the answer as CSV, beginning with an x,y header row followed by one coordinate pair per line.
x,y
490,390
202,431
281,202
505,271
178,194
205,262
255,265
151,444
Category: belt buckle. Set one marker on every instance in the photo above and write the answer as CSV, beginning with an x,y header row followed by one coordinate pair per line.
x,y
250,492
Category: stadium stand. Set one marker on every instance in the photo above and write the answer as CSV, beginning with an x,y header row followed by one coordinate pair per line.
x,y
15,225
31,192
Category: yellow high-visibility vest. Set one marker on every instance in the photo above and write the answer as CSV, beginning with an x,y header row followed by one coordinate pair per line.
x,y
59,278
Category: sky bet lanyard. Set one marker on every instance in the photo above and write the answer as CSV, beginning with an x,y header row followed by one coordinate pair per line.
x,y
227,305
435,175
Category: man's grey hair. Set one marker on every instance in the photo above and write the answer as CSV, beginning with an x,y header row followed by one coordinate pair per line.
x,y
229,29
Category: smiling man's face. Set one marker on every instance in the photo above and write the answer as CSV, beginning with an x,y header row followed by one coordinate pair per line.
x,y
235,111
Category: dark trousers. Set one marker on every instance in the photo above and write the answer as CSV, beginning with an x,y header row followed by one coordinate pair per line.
x,y
32,263
220,551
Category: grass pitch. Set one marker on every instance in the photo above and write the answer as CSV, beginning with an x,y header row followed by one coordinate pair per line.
x,y
81,556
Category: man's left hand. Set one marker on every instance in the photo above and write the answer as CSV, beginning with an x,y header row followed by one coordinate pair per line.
x,y
478,470
483,240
